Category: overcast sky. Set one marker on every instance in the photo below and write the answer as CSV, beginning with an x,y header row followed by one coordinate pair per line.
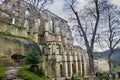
x,y
57,6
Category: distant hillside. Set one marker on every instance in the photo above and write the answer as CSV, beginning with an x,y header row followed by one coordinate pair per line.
x,y
116,55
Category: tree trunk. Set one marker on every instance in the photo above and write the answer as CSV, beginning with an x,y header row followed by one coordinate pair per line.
x,y
110,65
89,45
110,61
91,62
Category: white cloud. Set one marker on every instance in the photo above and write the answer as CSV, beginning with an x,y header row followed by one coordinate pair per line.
x,y
56,7
117,2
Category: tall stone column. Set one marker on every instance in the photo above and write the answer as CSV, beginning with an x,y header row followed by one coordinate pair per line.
x,y
70,66
85,66
79,65
69,69
57,70
75,64
65,66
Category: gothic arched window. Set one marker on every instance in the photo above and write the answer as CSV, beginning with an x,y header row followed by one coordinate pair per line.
x,y
13,20
52,27
27,13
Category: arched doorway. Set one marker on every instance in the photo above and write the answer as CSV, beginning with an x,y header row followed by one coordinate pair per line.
x,y
74,68
61,70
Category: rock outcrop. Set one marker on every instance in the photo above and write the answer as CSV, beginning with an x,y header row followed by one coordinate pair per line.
x,y
11,73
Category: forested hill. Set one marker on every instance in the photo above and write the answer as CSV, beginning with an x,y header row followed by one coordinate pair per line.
x,y
116,55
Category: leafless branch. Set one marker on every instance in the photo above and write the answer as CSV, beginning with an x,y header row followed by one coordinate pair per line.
x,y
116,43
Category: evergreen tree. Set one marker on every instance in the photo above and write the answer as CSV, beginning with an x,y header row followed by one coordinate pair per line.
x,y
33,58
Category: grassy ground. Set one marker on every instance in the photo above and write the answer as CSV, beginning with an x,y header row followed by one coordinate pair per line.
x,y
109,79
25,73
2,72
78,77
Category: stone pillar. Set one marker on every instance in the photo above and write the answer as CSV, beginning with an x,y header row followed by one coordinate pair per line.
x,y
57,70
69,66
84,57
69,69
47,27
65,66
35,29
85,66
35,36
79,65
58,37
75,64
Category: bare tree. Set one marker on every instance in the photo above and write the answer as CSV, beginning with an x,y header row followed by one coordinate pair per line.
x,y
39,4
111,34
94,13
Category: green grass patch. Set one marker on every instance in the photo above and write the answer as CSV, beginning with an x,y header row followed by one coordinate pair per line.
x,y
77,77
2,72
18,36
28,75
96,78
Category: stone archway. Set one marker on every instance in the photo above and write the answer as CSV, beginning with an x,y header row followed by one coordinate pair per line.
x,y
73,68
17,58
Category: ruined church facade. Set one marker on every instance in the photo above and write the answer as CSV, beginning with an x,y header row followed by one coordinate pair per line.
x,y
50,32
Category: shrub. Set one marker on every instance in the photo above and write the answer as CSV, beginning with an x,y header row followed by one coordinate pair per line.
x,y
28,75
41,72
33,58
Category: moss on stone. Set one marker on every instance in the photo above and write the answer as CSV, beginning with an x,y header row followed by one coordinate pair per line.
x,y
18,36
